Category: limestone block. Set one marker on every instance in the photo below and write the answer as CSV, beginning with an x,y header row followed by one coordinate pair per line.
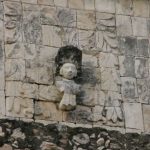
x,y
45,2
19,107
30,1
32,27
62,3
124,7
87,40
47,111
108,60
89,4
141,67
15,50
110,79
132,110
141,8
2,103
78,4
26,90
128,45
142,47
143,90
105,6
2,76
89,60
66,17
146,112
124,26
49,93
129,87
86,20
127,66
15,69
139,26
48,15
51,36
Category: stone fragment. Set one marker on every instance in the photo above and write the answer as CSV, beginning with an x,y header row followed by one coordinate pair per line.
x,y
100,142
124,7
47,111
15,69
107,6
129,87
2,134
6,147
18,134
19,107
142,47
139,26
89,5
141,8
127,66
146,112
49,146
45,2
81,138
132,110
78,4
124,26
86,20
128,45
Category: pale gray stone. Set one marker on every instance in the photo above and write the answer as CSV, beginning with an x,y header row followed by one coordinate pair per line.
x,y
2,76
62,3
81,138
139,26
129,87
2,103
30,1
105,6
17,133
45,2
77,4
141,68
127,66
124,26
124,7
133,116
1,29
89,4
146,112
86,20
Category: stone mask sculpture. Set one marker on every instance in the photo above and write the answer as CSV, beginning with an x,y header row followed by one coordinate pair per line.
x,y
68,67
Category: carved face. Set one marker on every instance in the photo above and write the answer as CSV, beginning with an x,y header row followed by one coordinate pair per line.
x,y
68,70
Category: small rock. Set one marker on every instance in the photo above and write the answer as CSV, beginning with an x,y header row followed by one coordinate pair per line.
x,y
107,143
92,136
18,134
82,138
6,147
100,148
15,144
100,142
2,134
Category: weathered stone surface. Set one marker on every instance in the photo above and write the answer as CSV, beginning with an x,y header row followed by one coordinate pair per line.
x,y
86,20
2,76
2,103
30,1
6,147
82,138
146,112
141,67
62,3
124,26
45,2
47,111
131,110
89,60
141,8
139,26
19,107
89,5
127,66
124,7
105,6
78,4
129,88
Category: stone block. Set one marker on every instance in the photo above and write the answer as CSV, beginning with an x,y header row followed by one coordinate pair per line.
x,y
2,76
62,3
128,45
89,61
20,89
51,36
142,47
47,111
19,107
78,4
28,9
141,68
87,40
45,2
146,112
110,79
124,26
2,103
30,1
139,26
133,116
141,8
107,60
49,93
86,20
127,66
15,69
48,15
89,4
105,6
1,28
124,7
129,88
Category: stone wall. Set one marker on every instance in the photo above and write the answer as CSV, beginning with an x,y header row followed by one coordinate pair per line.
x,y
114,38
